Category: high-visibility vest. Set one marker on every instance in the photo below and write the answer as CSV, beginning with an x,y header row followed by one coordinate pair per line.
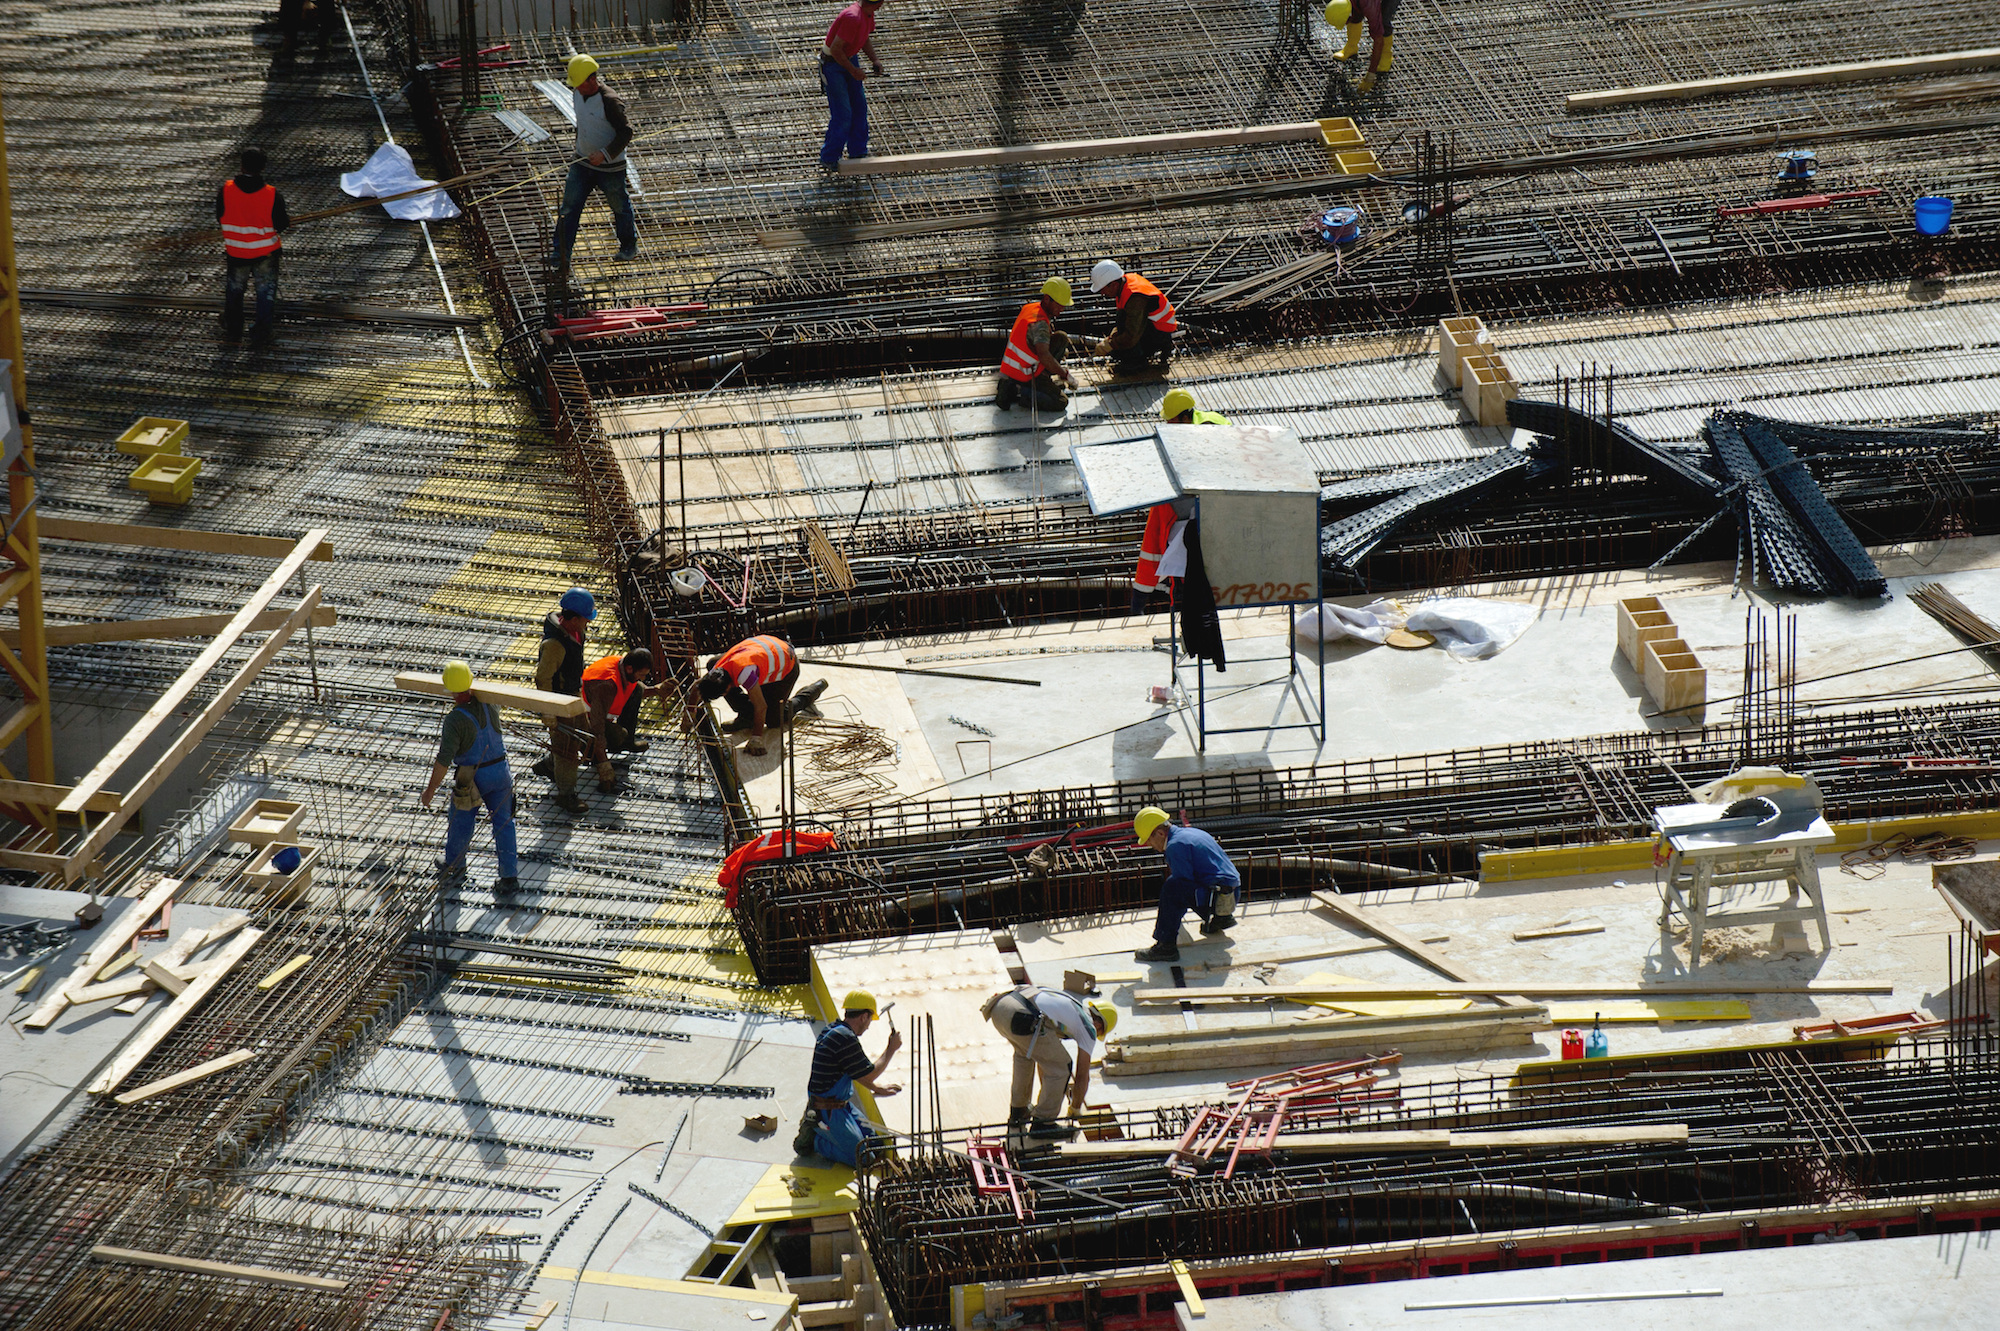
x,y
247,232
607,669
1019,362
772,657
770,846
1160,525
1163,316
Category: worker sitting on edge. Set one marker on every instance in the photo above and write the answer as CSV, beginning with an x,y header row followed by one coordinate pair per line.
x,y
1380,16
559,669
1036,1022
471,743
753,677
602,131
1199,877
830,1125
1165,522
1144,339
614,686
1031,366
251,213
851,34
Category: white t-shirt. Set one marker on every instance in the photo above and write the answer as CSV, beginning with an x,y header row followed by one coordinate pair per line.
x,y
1070,1016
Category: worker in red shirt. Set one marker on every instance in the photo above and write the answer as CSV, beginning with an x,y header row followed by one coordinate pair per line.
x,y
851,35
252,213
1380,17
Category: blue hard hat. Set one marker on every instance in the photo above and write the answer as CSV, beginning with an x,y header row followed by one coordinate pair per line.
x,y
577,601
286,860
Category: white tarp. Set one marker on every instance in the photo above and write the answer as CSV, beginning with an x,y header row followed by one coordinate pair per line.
x,y
1472,629
390,171
1329,622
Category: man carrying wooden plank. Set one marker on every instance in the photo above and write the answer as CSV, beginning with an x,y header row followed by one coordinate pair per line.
x,y
559,669
471,743
1199,878
1143,342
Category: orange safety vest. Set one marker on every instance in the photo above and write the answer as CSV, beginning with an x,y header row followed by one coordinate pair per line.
x,y
1163,317
247,232
770,846
607,669
772,657
1159,526
1019,362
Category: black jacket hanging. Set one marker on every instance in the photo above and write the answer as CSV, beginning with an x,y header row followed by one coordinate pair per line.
x,y
1201,627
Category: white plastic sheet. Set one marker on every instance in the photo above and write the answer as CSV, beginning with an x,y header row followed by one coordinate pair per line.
x,y
390,171
1472,629
1328,622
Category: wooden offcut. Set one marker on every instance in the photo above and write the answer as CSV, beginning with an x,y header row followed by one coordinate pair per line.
x,y
262,1275
1265,993
180,1079
517,696
141,1045
1858,71
114,939
1069,149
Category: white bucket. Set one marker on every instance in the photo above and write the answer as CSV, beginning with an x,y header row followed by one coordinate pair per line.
x,y
687,581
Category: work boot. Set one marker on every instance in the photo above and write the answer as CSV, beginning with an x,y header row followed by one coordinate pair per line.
x,y
545,768
1048,1130
1158,952
450,874
630,251
802,1144
506,887
567,801
1353,47
1216,924
1017,1119
734,724
607,778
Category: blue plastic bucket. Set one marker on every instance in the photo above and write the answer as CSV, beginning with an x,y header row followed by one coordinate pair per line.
x,y
1933,215
287,860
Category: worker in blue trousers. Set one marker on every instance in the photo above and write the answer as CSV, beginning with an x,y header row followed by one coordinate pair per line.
x,y
851,36
1199,878
471,744
831,1126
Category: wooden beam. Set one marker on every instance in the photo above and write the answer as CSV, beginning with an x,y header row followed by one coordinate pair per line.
x,y
262,1275
518,696
1367,1142
18,721
1370,924
179,538
164,975
180,1079
107,946
180,626
156,776
286,971
1855,72
1189,1295
1265,993
182,688
139,1046
47,797
1067,149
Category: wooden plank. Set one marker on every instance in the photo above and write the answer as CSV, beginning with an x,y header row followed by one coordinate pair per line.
x,y
1641,1010
1189,1295
262,1275
180,1079
136,1049
1369,1142
285,972
179,626
177,693
113,940
518,696
178,538
1264,993
1070,149
156,776
1563,930
47,797
1944,62
164,976
540,1315
18,721
1389,933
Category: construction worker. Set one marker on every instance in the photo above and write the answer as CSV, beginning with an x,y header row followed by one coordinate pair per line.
x,y
602,131
1199,877
830,1126
1144,338
1163,520
851,34
559,669
1036,1022
251,213
471,744
753,677
1380,16
1032,363
614,686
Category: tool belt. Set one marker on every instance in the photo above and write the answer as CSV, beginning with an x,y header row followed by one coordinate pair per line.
x,y
1020,1023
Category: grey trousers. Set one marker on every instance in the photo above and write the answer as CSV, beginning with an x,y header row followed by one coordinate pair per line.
x,y
1048,1057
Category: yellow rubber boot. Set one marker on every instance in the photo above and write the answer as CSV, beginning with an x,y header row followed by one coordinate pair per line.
x,y
1384,58
1353,47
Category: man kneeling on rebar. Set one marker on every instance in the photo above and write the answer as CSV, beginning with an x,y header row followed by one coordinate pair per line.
x,y
1036,1022
831,1126
1031,367
1199,878
755,677
615,686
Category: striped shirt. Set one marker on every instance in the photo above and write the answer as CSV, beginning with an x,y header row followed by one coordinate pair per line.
x,y
838,1054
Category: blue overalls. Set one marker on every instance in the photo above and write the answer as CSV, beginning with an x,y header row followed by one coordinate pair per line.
x,y
1196,868
841,1130
488,759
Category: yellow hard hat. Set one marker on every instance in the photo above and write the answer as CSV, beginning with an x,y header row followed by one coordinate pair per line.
x,y
458,676
1337,13
1175,402
859,1001
582,67
1106,1013
1149,821
1057,290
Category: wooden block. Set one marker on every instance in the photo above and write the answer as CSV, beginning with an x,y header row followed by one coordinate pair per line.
x,y
136,1049
180,1079
33,974
135,1002
117,964
1801,75
262,1275
1495,391
1634,611
1675,679
517,696
266,821
540,1315
164,976
285,972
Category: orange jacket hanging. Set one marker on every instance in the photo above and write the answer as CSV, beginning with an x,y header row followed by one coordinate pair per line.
x,y
1159,527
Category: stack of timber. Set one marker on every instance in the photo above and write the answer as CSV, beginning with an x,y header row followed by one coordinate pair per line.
x,y
1143,1052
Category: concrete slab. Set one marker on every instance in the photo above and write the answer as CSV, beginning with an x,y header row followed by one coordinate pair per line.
x,y
1936,1282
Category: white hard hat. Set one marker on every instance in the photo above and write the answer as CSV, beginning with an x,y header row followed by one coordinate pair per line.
x,y
1104,273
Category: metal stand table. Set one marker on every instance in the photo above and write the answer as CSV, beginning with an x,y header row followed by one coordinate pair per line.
x,y
1702,860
